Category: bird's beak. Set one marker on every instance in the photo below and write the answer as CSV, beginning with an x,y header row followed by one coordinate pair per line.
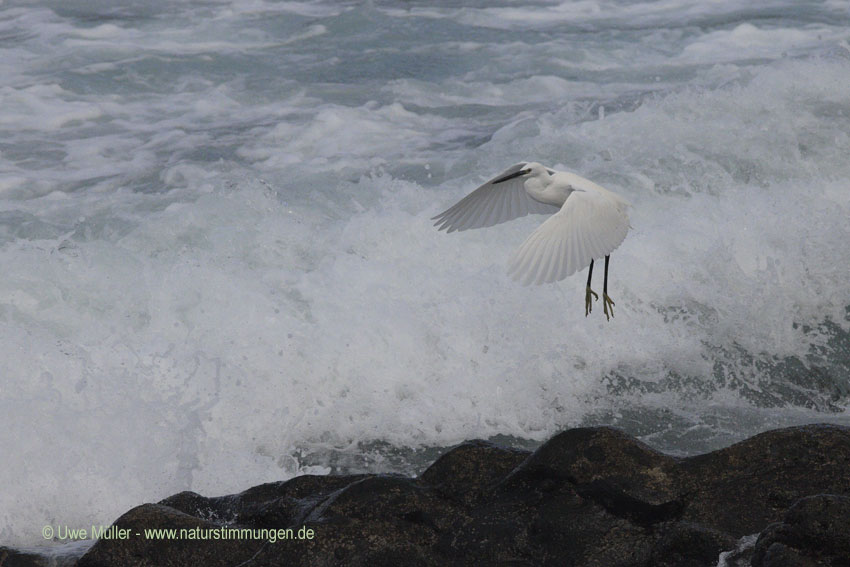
x,y
512,176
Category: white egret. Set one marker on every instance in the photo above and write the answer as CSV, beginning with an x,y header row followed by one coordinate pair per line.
x,y
589,222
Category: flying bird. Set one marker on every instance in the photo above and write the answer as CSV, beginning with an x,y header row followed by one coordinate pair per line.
x,y
589,222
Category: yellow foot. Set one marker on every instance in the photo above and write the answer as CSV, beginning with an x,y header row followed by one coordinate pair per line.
x,y
607,303
588,307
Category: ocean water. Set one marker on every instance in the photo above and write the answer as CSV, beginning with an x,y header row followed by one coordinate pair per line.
x,y
218,267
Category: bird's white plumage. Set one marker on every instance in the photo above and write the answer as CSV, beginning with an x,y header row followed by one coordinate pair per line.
x,y
590,223
492,204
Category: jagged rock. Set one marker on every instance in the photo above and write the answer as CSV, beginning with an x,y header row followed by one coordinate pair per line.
x,y
815,531
590,497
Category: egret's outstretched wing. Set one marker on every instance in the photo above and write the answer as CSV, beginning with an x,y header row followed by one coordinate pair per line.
x,y
492,204
589,225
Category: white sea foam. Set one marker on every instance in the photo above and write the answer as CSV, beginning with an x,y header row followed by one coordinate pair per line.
x,y
219,268
749,41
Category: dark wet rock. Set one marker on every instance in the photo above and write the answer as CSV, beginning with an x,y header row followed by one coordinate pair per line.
x,y
589,497
469,472
744,487
619,473
780,555
50,555
269,505
814,531
391,498
14,558
135,547
545,522
593,456
684,544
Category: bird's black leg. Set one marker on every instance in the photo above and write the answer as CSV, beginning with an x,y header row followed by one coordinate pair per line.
x,y
607,302
587,305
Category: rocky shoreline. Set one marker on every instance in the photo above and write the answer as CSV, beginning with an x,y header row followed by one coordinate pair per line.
x,y
587,497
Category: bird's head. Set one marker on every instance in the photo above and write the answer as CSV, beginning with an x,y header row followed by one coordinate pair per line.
x,y
530,169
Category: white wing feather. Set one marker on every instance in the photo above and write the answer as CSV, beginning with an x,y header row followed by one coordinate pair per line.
x,y
590,225
492,204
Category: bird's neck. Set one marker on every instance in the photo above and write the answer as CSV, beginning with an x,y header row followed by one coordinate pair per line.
x,y
537,185
541,188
